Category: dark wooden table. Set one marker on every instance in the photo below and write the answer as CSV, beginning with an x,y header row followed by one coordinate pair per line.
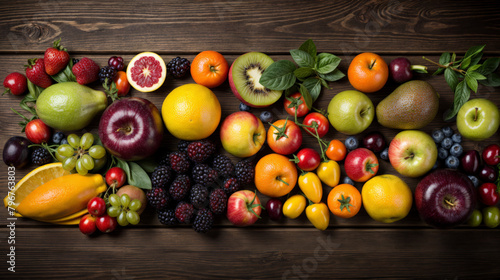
x,y
291,249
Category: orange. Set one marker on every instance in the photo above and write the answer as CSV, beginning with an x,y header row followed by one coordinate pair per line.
x,y
344,201
209,68
368,72
275,175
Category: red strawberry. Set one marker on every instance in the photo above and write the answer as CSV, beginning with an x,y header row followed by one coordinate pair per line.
x,y
35,71
55,58
86,71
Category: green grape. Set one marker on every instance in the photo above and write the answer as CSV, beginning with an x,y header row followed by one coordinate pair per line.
x,y
122,219
114,211
125,200
114,200
86,141
99,164
97,151
133,218
74,140
87,162
135,205
80,168
69,163
65,150
60,158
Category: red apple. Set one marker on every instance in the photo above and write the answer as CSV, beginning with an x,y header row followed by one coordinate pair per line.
x,y
242,134
243,208
87,224
361,164
131,128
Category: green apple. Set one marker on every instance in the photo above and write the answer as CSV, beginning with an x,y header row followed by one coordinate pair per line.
x,y
242,134
350,112
412,153
478,119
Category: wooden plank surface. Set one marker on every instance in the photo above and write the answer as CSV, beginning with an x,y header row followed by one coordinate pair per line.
x,y
360,247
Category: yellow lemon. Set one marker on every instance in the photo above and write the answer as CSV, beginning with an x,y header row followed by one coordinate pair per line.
x,y
191,112
386,198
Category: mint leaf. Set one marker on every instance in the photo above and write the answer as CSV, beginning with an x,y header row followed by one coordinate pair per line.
x,y
307,96
327,62
309,47
489,66
476,75
302,58
333,76
65,75
472,56
279,75
313,85
451,78
492,80
445,58
471,82
462,94
303,72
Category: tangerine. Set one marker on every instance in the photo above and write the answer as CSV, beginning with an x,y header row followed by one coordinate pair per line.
x,y
368,72
275,175
209,68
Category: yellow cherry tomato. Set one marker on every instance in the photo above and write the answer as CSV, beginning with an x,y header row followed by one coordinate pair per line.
x,y
294,206
319,215
329,172
311,186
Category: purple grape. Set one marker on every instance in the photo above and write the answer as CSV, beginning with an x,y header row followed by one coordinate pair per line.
x,y
16,152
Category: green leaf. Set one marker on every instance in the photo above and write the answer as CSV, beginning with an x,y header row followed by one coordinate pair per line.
x,y
471,82
66,75
313,85
333,76
302,58
445,58
327,62
453,57
489,66
307,96
138,177
303,72
472,56
492,80
279,75
34,90
476,75
309,47
291,90
451,78
148,164
439,71
462,94
324,83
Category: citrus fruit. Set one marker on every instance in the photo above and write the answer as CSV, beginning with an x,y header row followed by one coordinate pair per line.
x,y
191,112
209,68
33,180
344,201
368,72
146,72
275,175
386,198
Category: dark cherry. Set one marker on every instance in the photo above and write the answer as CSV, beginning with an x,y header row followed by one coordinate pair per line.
x,y
274,208
470,162
116,62
374,141
491,154
400,70
16,152
488,173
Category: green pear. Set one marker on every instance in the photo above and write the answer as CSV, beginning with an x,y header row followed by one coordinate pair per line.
x,y
69,106
412,105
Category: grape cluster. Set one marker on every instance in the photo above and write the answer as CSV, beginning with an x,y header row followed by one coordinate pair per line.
x,y
81,154
124,209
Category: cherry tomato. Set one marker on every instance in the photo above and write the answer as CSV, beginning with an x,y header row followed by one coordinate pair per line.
x,y
293,100
308,159
15,83
336,150
116,177
344,201
488,194
122,84
294,206
329,172
284,137
38,132
311,186
318,215
317,120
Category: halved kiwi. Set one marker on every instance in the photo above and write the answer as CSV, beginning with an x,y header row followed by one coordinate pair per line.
x,y
244,76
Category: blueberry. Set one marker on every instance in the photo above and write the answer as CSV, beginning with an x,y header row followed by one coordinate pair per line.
x,y
456,150
64,141
452,162
457,138
266,116
448,132
447,143
438,136
475,180
351,143
347,180
385,154
57,137
244,107
442,153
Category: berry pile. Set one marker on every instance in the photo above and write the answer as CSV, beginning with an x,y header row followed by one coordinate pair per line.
x,y
449,146
178,67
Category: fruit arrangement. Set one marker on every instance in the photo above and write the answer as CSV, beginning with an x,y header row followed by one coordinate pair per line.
x,y
245,166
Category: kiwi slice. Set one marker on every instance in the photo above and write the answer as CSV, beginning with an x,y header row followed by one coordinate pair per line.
x,y
244,77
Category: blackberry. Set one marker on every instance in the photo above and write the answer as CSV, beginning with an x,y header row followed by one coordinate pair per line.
x,y
178,67
165,159
223,165
161,176
182,145
198,196
200,151
204,221
107,72
158,198
204,174
184,212
245,172
167,217
231,185
179,162
180,187
218,201
40,156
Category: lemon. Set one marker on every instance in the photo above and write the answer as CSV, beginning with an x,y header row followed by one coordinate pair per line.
x,y
191,112
386,198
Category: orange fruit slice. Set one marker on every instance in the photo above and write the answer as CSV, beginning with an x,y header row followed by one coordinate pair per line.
x,y
146,72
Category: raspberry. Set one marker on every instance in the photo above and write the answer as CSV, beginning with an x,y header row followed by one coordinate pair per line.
x,y
204,174
200,151
218,201
231,185
167,217
245,172
204,221
184,212
180,187
178,67
198,196
182,145
107,72
179,162
158,198
223,165
41,156
161,176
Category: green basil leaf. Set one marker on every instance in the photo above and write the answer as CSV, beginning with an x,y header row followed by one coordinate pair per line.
x,y
471,82
313,85
302,58
333,76
138,177
303,72
492,80
451,78
489,65
327,62
462,94
279,75
307,96
309,47
445,58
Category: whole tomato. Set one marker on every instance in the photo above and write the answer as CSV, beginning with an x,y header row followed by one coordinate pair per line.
x,y
488,194
284,137
318,121
344,201
122,84
296,101
336,150
38,132
307,159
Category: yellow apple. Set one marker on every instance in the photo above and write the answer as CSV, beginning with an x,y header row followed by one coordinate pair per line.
x,y
242,134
